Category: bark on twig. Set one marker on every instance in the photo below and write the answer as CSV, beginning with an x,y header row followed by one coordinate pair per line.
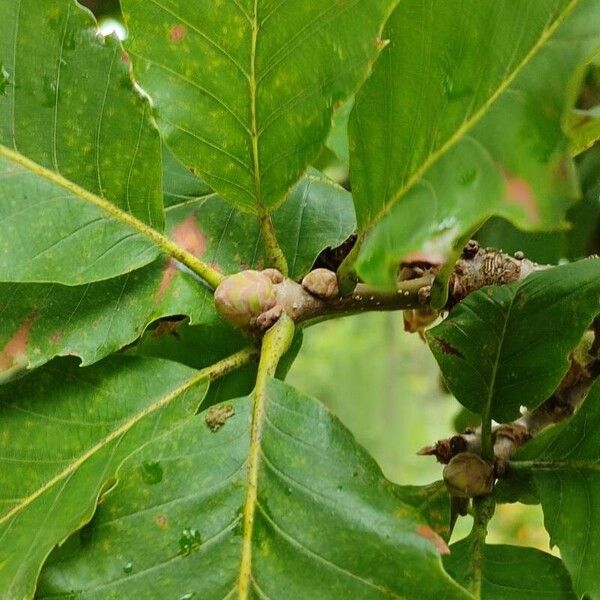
x,y
509,437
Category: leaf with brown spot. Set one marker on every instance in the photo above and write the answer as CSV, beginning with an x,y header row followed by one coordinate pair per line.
x,y
316,215
519,191
434,538
92,321
427,168
14,353
446,347
249,104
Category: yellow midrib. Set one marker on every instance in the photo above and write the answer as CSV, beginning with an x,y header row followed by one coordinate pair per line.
x,y
103,443
254,123
470,123
210,275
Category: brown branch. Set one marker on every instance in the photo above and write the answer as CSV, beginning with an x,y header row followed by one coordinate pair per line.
x,y
254,300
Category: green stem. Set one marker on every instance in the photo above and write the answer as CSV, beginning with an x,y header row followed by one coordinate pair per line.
x,y
346,274
483,511
275,256
275,344
487,447
206,272
229,364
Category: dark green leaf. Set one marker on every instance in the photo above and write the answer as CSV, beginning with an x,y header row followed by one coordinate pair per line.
x,y
511,572
507,346
458,79
326,523
64,431
245,93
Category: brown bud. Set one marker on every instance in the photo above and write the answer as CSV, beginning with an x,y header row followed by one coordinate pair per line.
x,y
471,249
467,475
322,283
242,297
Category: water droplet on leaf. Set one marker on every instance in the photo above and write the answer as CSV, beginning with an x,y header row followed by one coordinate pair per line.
x,y
187,596
128,568
446,223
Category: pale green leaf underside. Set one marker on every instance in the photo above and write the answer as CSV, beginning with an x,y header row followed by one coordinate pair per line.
x,y
457,76
507,346
565,465
327,525
245,90
69,106
511,572
63,433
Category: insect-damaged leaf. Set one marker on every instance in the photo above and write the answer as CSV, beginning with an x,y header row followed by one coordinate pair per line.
x,y
63,433
245,93
507,346
326,523
69,109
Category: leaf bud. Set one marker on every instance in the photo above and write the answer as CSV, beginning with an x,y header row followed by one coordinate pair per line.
x,y
321,283
467,475
242,297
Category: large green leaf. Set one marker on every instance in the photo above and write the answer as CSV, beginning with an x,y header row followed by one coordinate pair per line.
x,y
510,572
565,464
326,524
64,431
245,94
507,346
76,139
495,67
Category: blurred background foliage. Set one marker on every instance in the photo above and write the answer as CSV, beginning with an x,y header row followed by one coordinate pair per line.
x,y
384,384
